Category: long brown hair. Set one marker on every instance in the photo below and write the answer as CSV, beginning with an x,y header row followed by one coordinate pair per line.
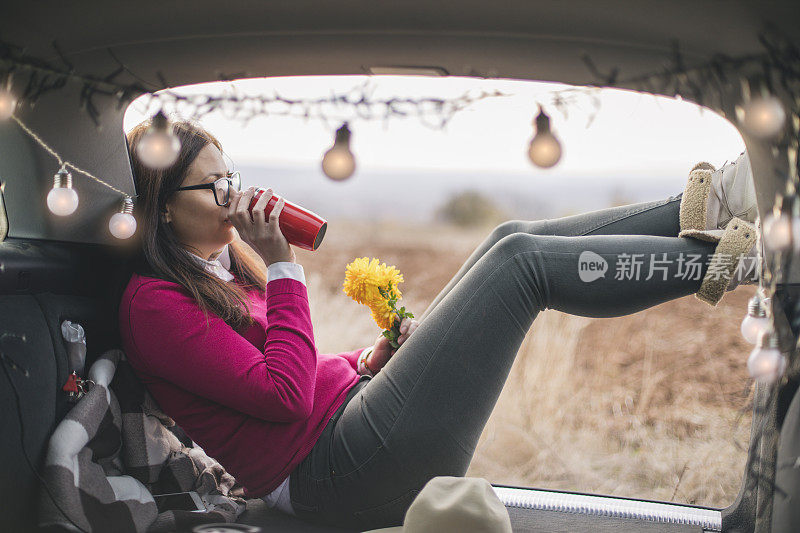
x,y
161,255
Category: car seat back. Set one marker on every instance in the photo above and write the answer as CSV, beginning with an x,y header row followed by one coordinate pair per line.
x,y
43,283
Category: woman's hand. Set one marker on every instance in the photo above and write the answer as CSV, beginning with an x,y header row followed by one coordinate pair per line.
x,y
382,351
265,238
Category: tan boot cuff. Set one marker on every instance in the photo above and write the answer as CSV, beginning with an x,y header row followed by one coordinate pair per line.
x,y
694,202
737,240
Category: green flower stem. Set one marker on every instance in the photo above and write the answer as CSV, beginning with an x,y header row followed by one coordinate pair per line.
x,y
394,332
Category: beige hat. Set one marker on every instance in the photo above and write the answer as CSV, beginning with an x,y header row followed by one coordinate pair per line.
x,y
449,504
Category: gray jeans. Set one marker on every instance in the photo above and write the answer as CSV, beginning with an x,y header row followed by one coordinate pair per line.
x,y
422,414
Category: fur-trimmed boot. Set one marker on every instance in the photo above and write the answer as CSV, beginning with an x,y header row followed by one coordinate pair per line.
x,y
712,198
737,259
720,206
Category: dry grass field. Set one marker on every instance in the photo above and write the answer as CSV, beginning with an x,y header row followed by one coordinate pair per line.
x,y
653,405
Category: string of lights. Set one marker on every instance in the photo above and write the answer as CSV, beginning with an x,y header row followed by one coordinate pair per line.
x,y
44,77
355,104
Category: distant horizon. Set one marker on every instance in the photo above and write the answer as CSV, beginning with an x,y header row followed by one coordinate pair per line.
x,y
375,192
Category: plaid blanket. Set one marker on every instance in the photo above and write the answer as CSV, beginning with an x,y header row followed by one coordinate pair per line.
x,y
115,449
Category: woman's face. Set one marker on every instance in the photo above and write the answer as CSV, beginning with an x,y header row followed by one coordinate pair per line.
x,y
199,223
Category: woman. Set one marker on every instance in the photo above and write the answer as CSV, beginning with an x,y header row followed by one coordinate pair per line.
x,y
320,435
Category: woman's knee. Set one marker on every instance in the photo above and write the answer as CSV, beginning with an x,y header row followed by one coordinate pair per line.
x,y
509,227
514,244
519,242
531,227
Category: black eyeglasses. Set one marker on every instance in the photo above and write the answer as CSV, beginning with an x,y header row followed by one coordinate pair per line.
x,y
221,187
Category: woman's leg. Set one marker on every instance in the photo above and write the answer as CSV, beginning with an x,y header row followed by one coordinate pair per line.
x,y
659,217
422,415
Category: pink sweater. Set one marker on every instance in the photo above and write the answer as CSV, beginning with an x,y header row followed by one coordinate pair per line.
x,y
255,402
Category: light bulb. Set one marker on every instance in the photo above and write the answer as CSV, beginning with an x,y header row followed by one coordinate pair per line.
x,y
752,327
8,103
62,200
122,225
159,147
338,162
545,149
766,363
756,320
777,231
763,116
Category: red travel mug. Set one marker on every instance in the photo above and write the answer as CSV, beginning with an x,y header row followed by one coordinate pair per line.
x,y
301,227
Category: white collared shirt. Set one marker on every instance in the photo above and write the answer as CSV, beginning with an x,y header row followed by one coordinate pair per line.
x,y
281,269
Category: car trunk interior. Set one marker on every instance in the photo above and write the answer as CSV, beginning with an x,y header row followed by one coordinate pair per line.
x,y
51,270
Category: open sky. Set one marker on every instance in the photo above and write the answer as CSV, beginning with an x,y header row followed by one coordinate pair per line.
x,y
633,135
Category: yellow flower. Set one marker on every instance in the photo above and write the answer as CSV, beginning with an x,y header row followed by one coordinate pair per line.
x,y
383,315
363,277
362,280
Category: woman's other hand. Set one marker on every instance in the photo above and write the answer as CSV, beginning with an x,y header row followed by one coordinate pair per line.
x,y
382,351
264,237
